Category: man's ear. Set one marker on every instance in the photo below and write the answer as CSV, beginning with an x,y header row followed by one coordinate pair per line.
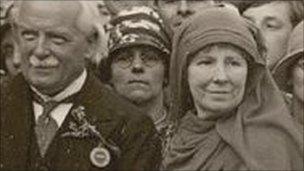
x,y
92,40
98,48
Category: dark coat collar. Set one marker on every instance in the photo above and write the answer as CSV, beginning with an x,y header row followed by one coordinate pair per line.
x,y
18,118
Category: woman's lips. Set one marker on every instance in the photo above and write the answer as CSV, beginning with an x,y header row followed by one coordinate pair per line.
x,y
219,92
45,66
137,82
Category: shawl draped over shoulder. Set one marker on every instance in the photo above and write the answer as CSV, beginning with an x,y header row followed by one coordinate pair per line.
x,y
259,135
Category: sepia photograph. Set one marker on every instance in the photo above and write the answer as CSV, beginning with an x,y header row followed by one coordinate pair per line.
x,y
151,85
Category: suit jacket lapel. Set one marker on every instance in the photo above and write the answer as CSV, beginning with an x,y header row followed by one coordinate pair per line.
x,y
90,98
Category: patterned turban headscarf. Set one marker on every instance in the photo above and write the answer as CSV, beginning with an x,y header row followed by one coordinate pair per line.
x,y
139,25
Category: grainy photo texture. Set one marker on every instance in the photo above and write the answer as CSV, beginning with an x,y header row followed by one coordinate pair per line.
x,y
152,85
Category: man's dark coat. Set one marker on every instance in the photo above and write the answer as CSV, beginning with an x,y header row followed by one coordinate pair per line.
x,y
117,121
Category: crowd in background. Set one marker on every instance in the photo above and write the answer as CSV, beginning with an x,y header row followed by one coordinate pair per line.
x,y
263,13
221,81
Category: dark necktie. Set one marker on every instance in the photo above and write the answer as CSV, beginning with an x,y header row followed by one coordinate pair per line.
x,y
46,126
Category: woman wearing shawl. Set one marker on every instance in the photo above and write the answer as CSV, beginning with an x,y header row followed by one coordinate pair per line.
x,y
289,73
231,115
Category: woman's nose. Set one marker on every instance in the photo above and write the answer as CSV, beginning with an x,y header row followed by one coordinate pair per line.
x,y
220,74
137,64
183,9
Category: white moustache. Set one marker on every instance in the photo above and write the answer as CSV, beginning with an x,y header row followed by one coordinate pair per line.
x,y
46,63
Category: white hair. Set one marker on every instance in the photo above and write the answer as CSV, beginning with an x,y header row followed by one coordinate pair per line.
x,y
88,21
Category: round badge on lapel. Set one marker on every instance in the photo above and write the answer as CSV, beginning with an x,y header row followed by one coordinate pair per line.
x,y
100,157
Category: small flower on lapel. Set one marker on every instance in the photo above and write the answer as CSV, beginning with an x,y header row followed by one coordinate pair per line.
x,y
79,114
80,127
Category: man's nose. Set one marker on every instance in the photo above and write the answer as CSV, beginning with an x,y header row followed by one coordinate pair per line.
x,y
220,74
183,9
41,50
137,64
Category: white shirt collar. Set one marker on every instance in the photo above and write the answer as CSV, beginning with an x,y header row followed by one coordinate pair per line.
x,y
73,88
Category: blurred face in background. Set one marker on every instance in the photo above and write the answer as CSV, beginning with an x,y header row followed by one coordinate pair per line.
x,y
105,13
217,77
273,19
298,79
117,5
179,10
9,52
138,73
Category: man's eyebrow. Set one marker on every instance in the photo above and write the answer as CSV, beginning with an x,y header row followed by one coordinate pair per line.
x,y
57,30
22,25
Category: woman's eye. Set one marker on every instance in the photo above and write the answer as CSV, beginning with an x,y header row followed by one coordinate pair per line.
x,y
234,63
204,62
150,57
121,58
270,26
29,35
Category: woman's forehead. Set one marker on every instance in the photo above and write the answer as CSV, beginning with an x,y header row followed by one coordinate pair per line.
x,y
221,47
138,48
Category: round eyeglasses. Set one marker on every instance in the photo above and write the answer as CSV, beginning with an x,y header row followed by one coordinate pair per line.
x,y
126,59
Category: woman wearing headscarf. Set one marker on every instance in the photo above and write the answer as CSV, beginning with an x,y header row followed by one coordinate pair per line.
x,y
289,73
137,66
230,114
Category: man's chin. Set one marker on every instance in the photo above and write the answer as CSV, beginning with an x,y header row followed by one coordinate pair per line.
x,y
44,86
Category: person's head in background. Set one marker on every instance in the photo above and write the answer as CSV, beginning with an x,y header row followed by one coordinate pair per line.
x,y
276,20
115,6
105,12
138,61
9,59
289,72
176,11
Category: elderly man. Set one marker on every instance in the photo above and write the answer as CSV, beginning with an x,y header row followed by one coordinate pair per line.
x,y
138,62
276,20
57,115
